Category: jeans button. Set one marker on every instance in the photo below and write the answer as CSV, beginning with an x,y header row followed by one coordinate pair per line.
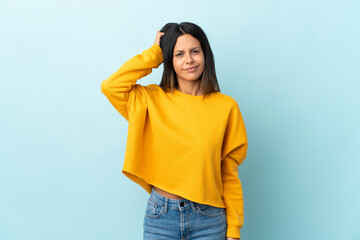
x,y
181,204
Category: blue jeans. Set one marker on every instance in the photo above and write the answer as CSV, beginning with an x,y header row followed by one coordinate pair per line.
x,y
180,219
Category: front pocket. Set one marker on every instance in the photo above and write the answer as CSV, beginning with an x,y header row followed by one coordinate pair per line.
x,y
153,210
209,211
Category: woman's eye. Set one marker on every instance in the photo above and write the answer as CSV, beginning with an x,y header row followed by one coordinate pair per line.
x,y
179,54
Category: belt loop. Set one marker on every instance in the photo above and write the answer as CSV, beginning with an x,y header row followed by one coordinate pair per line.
x,y
193,206
166,203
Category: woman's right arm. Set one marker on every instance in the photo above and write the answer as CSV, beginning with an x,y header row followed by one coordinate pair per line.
x,y
121,83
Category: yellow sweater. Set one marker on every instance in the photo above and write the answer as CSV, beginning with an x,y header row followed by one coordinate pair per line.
x,y
181,143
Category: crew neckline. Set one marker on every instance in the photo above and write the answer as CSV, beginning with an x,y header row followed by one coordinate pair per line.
x,y
188,96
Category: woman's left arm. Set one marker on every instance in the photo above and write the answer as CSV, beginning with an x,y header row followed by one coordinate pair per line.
x,y
234,152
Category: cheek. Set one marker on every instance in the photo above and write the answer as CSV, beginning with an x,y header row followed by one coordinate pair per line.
x,y
200,59
177,66
203,60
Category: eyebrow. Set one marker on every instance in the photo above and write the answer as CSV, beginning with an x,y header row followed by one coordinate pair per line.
x,y
183,50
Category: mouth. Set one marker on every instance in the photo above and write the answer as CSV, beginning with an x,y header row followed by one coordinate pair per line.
x,y
191,69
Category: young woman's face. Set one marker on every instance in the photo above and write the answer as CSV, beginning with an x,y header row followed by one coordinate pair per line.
x,y
188,60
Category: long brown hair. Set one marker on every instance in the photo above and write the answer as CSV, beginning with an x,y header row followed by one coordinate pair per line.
x,y
208,83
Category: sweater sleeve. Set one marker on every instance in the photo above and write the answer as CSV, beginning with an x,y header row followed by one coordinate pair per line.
x,y
121,86
234,150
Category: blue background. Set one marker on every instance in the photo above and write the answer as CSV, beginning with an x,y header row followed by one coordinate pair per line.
x,y
292,66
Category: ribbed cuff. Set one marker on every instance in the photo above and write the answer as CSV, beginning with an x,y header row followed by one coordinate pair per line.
x,y
233,231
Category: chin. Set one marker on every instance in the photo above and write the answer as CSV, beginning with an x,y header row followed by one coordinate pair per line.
x,y
192,78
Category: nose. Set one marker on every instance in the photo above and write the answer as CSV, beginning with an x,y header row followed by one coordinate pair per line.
x,y
189,58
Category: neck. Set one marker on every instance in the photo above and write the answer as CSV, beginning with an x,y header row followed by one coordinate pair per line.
x,y
191,89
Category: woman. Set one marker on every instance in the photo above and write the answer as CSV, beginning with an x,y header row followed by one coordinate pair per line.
x,y
185,139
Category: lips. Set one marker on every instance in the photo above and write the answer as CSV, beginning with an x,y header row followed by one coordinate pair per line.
x,y
191,69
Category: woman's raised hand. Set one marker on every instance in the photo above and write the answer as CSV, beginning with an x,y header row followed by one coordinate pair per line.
x,y
158,36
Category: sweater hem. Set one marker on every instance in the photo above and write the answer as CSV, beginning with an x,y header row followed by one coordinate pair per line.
x,y
147,186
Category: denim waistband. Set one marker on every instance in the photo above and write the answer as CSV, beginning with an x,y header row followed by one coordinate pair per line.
x,y
180,204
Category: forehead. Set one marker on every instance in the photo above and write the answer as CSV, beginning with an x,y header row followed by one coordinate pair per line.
x,y
186,41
